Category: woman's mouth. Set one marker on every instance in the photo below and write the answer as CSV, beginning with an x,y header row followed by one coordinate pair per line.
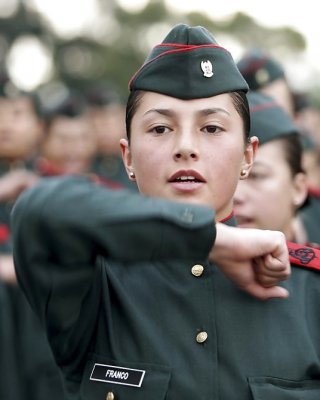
x,y
187,181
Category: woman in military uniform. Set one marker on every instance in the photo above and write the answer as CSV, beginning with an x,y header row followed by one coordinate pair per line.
x,y
277,185
133,293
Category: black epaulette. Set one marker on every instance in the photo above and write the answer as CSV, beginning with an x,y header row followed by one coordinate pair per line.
x,y
304,256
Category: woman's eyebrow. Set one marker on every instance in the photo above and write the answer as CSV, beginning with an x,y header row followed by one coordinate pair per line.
x,y
215,110
205,111
162,111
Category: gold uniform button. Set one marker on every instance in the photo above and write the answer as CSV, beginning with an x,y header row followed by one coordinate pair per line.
x,y
110,396
197,270
202,337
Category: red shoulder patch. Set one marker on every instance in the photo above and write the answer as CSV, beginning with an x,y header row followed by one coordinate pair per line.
x,y
304,256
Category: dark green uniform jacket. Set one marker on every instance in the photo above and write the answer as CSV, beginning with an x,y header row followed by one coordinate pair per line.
x,y
130,313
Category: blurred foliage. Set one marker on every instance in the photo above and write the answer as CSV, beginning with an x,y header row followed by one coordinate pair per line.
x,y
121,48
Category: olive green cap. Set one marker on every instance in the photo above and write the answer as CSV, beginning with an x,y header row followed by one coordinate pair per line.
x,y
259,69
189,64
269,121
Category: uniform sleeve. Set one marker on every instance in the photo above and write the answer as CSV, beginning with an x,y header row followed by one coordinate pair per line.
x,y
60,227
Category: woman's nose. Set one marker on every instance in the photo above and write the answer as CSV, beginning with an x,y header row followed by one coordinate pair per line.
x,y
240,193
186,147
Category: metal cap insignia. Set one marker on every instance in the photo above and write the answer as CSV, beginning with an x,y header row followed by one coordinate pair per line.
x,y
206,67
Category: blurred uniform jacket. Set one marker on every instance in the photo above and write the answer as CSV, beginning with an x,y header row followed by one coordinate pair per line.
x,y
111,168
27,367
134,310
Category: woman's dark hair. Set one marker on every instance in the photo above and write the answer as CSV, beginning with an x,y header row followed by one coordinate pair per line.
x,y
132,105
293,151
239,100
72,105
240,103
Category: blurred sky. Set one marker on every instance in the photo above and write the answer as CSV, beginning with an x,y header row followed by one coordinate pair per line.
x,y
300,15
69,17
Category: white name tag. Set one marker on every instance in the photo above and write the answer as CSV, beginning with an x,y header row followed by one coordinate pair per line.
x,y
117,375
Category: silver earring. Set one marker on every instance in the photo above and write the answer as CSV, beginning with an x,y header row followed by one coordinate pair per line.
x,y
243,173
132,175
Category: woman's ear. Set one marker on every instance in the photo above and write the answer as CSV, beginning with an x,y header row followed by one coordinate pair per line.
x,y
300,189
126,157
249,156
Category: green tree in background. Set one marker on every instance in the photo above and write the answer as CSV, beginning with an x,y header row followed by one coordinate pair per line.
x,y
119,50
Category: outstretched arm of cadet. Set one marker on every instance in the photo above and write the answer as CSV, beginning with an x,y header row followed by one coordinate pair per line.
x,y
62,225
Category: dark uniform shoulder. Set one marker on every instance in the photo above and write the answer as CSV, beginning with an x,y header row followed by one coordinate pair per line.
x,y
305,256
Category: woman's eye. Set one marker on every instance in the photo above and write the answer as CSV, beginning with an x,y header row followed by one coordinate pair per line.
x,y
18,112
256,176
212,129
160,129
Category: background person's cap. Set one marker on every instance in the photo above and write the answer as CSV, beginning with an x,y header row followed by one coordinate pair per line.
x,y
259,69
269,121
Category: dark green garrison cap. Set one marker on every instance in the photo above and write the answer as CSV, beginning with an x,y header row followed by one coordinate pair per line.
x,y
269,121
260,69
189,64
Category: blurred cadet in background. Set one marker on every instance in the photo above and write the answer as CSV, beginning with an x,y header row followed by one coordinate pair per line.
x,y
27,367
21,130
310,151
68,144
107,115
277,185
265,74
307,116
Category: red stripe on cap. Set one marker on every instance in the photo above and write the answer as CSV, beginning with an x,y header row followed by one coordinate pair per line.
x,y
177,48
190,46
253,65
304,256
263,106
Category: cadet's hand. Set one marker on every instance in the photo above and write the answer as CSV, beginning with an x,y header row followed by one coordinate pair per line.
x,y
7,271
15,182
255,260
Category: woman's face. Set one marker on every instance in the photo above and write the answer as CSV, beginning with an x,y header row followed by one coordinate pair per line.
x,y
188,150
269,197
